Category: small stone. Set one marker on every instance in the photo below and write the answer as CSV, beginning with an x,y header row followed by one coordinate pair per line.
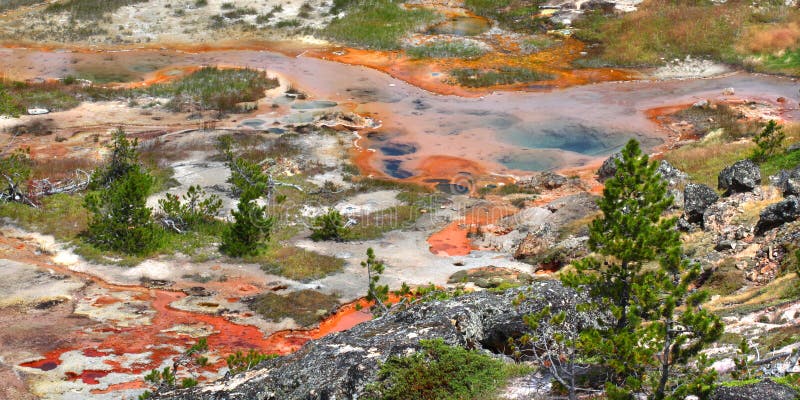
x,y
728,92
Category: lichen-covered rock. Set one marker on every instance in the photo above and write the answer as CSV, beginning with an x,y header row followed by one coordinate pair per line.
x,y
787,181
340,365
766,389
742,176
696,199
609,167
778,214
671,175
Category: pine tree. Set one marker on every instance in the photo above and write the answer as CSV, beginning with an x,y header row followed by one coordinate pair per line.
x,y
768,142
639,275
377,293
252,225
121,220
124,157
329,226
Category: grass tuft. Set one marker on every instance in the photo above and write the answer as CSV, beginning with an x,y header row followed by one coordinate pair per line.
x,y
377,24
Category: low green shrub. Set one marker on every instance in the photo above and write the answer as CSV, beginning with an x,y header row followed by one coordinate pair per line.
x,y
441,372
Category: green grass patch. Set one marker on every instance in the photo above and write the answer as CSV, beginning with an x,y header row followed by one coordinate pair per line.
x,y
90,9
703,161
442,372
60,215
306,307
296,263
446,49
664,30
472,77
377,24
17,97
774,164
374,225
726,279
516,15
787,62
215,88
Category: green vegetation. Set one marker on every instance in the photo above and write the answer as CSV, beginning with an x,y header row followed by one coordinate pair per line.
x,y
768,142
240,362
252,226
296,263
446,49
726,279
120,219
328,226
90,9
190,210
377,293
374,225
215,88
516,15
704,160
376,24
645,300
471,77
17,97
60,215
441,372
762,35
306,307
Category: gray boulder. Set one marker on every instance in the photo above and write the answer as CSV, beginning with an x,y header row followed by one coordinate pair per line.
x,y
742,176
787,181
340,365
778,214
671,175
696,199
609,167
766,389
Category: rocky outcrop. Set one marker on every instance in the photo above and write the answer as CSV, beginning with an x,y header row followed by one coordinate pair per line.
x,y
542,245
671,175
697,198
742,176
788,182
545,181
490,277
340,365
778,214
766,389
609,167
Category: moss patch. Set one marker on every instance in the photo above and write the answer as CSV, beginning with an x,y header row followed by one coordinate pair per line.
x,y
306,307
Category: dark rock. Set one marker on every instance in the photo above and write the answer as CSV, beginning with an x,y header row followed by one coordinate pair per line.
x,y
696,199
609,167
340,365
778,214
793,147
787,181
742,176
685,226
766,389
